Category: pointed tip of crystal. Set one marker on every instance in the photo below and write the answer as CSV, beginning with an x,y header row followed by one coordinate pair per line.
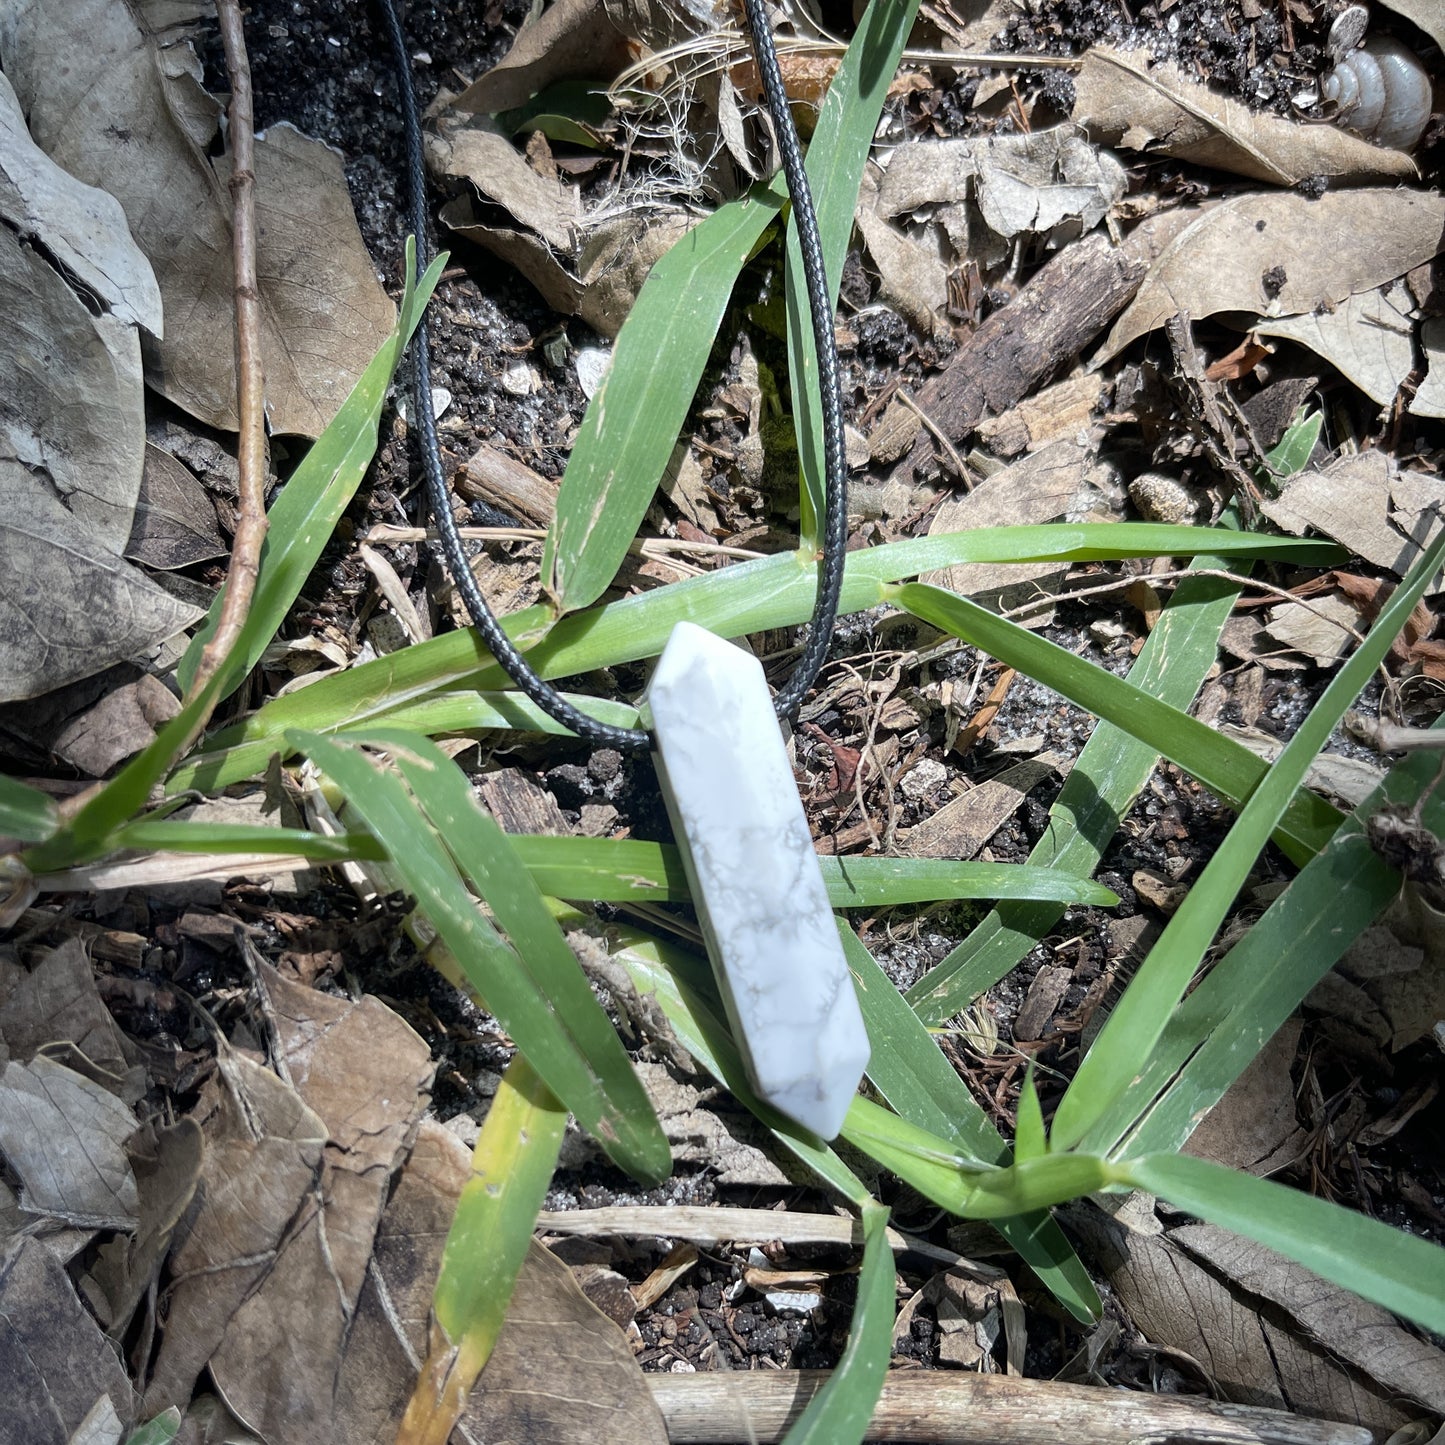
x,y
819,1098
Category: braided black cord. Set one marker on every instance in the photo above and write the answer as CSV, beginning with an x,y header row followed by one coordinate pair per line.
x,y
820,308
516,666
835,531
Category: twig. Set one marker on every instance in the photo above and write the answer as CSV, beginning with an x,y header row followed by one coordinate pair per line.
x,y
951,1405
250,383
959,465
386,534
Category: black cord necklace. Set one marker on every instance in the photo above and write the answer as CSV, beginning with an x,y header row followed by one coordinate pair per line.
x,y
725,774
835,521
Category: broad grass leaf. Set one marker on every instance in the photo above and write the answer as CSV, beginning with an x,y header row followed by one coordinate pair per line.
x,y
772,592
502,979
1142,1014
1402,1272
839,1414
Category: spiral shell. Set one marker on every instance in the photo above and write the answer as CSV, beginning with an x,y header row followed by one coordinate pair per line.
x,y
1382,92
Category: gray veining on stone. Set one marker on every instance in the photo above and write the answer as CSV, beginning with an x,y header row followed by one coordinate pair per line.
x,y
755,879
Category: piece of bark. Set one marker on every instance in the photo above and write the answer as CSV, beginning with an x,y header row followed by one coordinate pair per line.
x,y
1061,412
519,805
1061,310
495,478
972,1409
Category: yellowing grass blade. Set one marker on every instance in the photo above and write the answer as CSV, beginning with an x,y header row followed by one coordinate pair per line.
x,y
512,1166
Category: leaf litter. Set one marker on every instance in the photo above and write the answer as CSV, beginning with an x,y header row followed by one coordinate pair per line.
x,y
286,1150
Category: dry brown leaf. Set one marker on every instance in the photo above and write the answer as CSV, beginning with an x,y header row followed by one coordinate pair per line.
x,y
1364,504
365,1073
1042,487
1254,1126
1361,1334
64,1136
705,1128
57,1000
1121,99
167,1167
1282,254
1180,1304
76,66
56,1364
1370,338
600,281
83,228
1429,399
561,1372
117,727
1396,966
175,520
571,40
911,273
1323,631
72,409
473,148
262,1160
1424,13
69,606
1047,182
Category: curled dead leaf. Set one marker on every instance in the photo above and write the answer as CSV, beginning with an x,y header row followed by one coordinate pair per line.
x,y
1122,99
76,67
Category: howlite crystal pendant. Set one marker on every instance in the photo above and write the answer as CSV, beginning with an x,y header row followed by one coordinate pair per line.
x,y
755,879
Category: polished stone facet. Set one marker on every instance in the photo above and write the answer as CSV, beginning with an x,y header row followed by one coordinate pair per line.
x,y
755,879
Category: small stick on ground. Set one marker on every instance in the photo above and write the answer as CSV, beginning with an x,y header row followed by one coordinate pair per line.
x,y
250,383
966,1409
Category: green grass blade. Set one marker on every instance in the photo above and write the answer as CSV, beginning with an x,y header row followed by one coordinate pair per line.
x,y
771,592
463,710
178,835
1226,1020
491,1232
1220,763
633,421
1133,1029
512,1165
909,1071
1293,451
1394,1269
552,1031
487,858
26,814
839,1414
1030,1139
617,870
934,1168
308,507
1110,772
88,834
159,1431
837,153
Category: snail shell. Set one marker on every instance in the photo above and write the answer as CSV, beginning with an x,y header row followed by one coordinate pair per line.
x,y
1381,92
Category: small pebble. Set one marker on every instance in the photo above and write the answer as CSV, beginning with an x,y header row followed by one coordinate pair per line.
x,y
592,363
923,778
519,379
1162,498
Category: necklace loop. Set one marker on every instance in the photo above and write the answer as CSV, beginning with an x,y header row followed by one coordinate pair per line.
x,y
835,521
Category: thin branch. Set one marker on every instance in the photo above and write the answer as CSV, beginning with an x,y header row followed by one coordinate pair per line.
x,y
250,383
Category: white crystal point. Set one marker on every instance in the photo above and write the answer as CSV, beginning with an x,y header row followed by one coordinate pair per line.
x,y
755,879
